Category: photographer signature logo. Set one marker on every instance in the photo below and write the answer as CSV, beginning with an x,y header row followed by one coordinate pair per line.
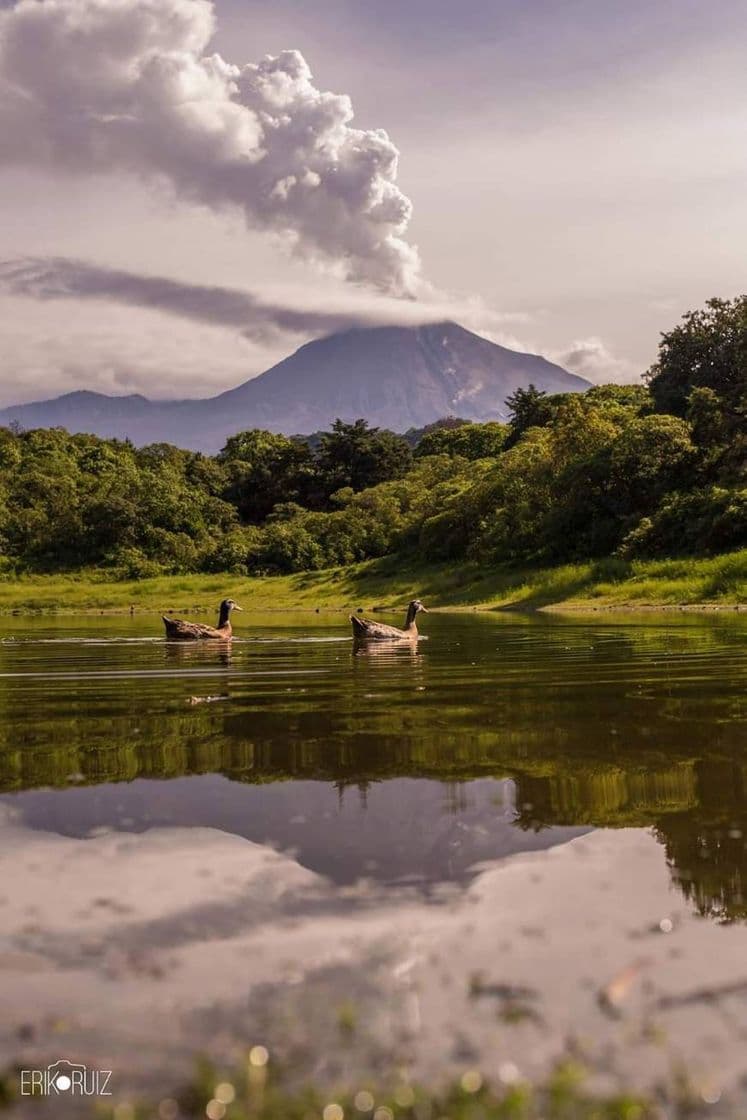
x,y
65,1078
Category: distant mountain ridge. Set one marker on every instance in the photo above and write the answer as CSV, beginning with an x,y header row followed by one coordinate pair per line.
x,y
395,377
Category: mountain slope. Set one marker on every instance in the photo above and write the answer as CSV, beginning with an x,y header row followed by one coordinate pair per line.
x,y
395,377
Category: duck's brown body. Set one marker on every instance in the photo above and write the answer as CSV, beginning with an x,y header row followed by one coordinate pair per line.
x,y
179,630
367,630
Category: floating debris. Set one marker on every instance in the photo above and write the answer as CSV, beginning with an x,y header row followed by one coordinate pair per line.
x,y
613,995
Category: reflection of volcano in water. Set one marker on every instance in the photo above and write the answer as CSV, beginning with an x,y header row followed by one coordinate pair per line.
x,y
394,831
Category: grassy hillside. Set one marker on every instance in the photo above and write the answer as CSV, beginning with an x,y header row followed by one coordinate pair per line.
x,y
635,584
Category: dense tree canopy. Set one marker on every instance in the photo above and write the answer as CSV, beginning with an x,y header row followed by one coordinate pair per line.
x,y
472,441
263,469
657,469
708,349
701,374
357,456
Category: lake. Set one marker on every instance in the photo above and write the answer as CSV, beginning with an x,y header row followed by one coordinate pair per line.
x,y
525,838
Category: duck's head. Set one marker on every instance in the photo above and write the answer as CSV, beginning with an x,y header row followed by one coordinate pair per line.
x,y
229,605
417,606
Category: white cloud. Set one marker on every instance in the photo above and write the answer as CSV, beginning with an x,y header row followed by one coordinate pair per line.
x,y
53,347
592,358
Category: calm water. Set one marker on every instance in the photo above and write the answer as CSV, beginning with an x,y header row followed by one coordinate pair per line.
x,y
383,787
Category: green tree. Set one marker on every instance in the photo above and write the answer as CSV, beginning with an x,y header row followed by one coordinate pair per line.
x,y
530,408
620,403
708,349
713,519
263,469
471,441
358,456
650,457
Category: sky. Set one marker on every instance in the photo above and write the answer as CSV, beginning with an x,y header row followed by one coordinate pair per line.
x,y
190,190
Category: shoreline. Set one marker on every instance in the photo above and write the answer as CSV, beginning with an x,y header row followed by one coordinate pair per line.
x,y
709,585
573,608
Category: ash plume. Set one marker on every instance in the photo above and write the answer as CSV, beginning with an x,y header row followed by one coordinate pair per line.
x,y
127,86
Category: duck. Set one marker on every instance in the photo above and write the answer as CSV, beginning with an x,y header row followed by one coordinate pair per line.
x,y
365,629
179,630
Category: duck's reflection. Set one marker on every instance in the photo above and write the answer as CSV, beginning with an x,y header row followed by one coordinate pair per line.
x,y
390,652
198,653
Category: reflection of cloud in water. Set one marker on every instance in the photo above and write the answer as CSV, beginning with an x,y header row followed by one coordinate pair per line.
x,y
202,940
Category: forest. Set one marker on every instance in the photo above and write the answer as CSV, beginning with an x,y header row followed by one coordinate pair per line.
x,y
653,470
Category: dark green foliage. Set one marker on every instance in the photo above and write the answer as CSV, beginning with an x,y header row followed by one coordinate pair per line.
x,y
708,349
705,521
358,456
573,476
702,374
415,436
529,408
262,469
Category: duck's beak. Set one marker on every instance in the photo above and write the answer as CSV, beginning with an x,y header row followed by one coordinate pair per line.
x,y
424,609
236,607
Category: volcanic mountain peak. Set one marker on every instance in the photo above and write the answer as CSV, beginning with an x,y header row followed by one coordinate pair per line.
x,y
395,377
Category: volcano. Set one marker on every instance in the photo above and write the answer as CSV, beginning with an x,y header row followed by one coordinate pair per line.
x,y
394,377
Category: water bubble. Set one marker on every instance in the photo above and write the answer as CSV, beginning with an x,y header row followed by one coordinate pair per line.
x,y
215,1110
364,1101
666,925
333,1111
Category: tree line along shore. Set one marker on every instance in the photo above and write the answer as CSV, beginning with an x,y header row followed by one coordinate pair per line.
x,y
621,493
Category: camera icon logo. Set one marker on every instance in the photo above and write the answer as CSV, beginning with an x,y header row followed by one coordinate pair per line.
x,y
62,1075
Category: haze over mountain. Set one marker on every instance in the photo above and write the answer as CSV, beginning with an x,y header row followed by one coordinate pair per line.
x,y
395,377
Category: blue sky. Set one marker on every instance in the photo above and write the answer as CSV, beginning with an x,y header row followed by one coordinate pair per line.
x,y
577,175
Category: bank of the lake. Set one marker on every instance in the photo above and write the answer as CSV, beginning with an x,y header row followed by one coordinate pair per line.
x,y
709,583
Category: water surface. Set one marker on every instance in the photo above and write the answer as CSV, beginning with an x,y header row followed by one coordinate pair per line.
x,y
248,839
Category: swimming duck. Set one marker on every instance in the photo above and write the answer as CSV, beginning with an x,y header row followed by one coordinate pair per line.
x,y
177,630
365,629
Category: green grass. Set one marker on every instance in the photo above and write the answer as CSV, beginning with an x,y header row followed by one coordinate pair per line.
x,y
569,1092
251,1095
391,582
